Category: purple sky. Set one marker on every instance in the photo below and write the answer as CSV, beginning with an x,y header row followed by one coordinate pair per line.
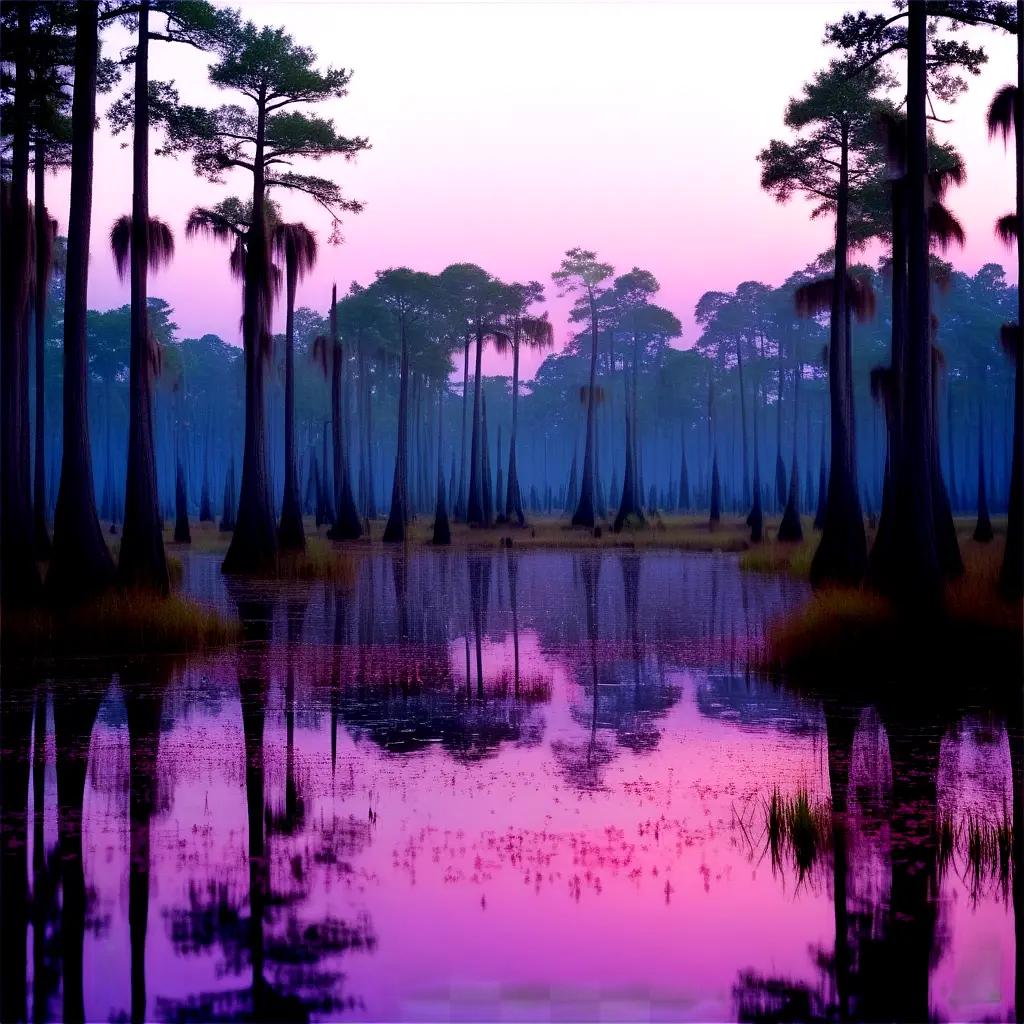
x,y
506,132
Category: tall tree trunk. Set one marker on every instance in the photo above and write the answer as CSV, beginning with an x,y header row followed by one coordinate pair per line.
x,y
254,543
346,521
790,528
841,556
442,529
371,500
291,535
394,530
983,527
182,534
474,502
743,419
684,477
909,565
756,518
780,467
514,497
486,483
1011,577
142,560
461,507
81,560
205,507
630,505
20,577
584,514
44,262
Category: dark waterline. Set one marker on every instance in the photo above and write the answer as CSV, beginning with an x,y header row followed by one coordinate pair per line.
x,y
498,786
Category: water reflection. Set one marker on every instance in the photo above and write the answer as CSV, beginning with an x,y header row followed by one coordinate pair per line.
x,y
498,786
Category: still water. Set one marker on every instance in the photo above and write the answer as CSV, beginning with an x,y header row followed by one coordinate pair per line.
x,y
499,786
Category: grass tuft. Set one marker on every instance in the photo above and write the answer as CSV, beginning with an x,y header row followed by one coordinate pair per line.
x,y
779,556
797,829
322,560
118,620
980,849
852,636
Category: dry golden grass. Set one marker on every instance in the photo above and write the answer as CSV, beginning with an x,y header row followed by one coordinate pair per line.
x,y
779,556
681,533
206,537
845,634
118,620
322,560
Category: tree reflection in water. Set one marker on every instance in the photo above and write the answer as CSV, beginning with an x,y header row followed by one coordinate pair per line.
x,y
562,690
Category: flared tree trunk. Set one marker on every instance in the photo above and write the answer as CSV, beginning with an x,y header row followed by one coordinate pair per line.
x,y
629,503
462,508
743,420
909,564
841,556
474,500
684,476
514,497
346,519
254,542
486,483
182,534
584,514
81,560
442,529
366,472
715,515
983,527
756,518
227,519
790,528
394,530
142,561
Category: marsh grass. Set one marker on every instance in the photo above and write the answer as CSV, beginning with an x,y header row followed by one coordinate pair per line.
x,y
979,849
680,533
853,636
118,620
779,556
322,560
797,829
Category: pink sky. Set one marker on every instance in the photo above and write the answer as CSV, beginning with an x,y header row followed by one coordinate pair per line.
x,y
506,132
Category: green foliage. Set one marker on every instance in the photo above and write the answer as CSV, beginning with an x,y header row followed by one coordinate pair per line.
x,y
836,110
273,72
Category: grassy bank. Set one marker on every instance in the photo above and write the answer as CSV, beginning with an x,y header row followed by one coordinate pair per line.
x,y
683,533
118,620
844,635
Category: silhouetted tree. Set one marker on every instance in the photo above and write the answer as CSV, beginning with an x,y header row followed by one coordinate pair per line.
x,y
295,244
273,73
582,273
835,153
